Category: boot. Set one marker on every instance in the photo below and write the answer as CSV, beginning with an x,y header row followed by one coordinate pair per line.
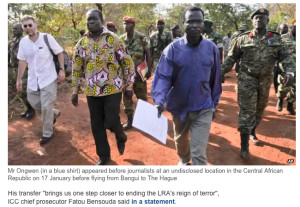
x,y
279,105
128,125
244,146
253,136
290,108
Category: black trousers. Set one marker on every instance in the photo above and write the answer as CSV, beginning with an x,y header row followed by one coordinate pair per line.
x,y
104,114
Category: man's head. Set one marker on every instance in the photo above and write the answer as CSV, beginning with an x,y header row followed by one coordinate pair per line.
x,y
94,20
193,21
260,19
128,24
17,30
283,28
111,27
29,25
229,34
160,25
208,24
175,31
242,28
82,32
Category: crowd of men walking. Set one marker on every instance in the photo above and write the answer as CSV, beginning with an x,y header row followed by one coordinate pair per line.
x,y
188,73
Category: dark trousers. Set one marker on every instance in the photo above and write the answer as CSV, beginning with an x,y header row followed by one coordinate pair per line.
x,y
104,114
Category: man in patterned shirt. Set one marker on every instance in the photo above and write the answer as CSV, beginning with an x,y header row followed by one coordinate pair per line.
x,y
138,47
101,59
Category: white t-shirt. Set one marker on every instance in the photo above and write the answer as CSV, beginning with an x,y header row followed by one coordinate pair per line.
x,y
41,67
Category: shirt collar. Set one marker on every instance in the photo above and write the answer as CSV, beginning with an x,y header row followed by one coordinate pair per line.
x,y
187,43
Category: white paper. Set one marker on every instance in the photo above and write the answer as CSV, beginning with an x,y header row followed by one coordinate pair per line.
x,y
146,120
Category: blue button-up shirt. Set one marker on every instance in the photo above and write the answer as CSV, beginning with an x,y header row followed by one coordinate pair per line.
x,y
188,78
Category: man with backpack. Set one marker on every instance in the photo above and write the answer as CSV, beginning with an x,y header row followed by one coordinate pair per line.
x,y
42,76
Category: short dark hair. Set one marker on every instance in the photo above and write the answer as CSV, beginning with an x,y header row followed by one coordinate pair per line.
x,y
98,12
25,18
191,8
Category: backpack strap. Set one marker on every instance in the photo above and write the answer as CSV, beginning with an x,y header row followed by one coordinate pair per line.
x,y
48,45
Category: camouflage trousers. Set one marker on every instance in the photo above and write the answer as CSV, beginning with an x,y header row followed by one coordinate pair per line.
x,y
12,79
287,92
140,90
253,96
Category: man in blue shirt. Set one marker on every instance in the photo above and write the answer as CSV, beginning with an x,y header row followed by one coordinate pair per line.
x,y
188,79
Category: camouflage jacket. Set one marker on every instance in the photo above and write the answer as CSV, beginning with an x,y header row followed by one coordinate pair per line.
x,y
290,41
258,56
136,46
159,43
13,48
215,37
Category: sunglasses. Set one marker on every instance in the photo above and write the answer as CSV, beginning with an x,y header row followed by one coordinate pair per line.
x,y
29,25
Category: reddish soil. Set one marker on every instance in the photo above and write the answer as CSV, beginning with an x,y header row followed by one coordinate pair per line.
x,y
73,143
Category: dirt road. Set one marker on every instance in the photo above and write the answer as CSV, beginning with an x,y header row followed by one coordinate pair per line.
x,y
73,143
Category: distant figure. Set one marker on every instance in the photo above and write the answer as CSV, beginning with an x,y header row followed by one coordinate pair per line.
x,y
111,27
13,48
226,43
175,32
159,40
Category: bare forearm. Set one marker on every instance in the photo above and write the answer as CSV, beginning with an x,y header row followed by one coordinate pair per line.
x,y
21,69
61,60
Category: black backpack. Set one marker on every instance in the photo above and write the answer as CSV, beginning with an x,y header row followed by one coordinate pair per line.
x,y
67,62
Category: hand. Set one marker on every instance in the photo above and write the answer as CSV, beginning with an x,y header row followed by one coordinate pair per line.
x,y
288,80
61,76
75,100
160,109
19,85
148,74
128,93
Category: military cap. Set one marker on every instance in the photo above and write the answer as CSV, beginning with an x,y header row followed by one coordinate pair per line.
x,y
261,11
110,24
129,19
175,27
160,20
242,27
208,22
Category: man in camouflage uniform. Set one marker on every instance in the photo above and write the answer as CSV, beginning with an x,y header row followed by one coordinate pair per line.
x,y
159,40
137,46
258,51
283,29
290,91
13,48
210,34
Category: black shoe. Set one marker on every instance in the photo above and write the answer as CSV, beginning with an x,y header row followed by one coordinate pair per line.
x,y
103,161
290,108
279,105
244,146
121,140
54,120
45,140
30,113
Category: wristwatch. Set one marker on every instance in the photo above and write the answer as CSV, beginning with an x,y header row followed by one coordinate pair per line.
x,y
60,68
